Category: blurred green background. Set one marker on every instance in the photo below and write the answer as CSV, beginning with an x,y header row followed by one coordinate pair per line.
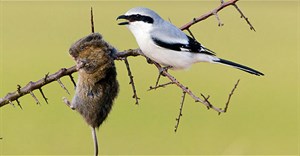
x,y
263,117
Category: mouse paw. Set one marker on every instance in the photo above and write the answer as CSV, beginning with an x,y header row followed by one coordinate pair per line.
x,y
68,103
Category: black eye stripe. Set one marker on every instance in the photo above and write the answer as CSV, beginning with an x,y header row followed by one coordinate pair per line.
x,y
138,17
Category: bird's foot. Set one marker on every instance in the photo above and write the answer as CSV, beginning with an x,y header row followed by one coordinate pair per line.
x,y
149,60
164,69
161,73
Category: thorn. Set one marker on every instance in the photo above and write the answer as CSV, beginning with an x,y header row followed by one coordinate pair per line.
x,y
19,89
63,86
92,20
72,79
19,104
46,76
36,100
11,103
41,91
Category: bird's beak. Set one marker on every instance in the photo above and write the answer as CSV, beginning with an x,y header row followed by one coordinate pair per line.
x,y
123,17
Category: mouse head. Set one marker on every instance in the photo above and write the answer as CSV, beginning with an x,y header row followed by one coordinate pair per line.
x,y
92,53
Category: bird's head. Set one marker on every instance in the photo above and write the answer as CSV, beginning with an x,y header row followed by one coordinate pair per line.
x,y
140,19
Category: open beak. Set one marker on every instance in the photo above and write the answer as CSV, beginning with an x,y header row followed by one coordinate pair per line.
x,y
123,17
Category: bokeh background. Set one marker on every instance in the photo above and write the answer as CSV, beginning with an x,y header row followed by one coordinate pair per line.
x,y
263,117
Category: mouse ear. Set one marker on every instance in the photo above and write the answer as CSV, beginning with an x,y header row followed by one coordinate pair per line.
x,y
92,37
73,51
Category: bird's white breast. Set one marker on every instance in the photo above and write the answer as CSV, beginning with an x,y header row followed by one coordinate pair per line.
x,y
166,57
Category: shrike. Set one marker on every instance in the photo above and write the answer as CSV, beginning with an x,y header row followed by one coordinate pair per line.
x,y
167,45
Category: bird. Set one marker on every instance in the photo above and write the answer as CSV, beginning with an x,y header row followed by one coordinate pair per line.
x,y
164,43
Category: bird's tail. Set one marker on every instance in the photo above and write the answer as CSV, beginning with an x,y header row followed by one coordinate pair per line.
x,y
238,66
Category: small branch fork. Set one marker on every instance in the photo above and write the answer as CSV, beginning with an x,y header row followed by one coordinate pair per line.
x,y
215,13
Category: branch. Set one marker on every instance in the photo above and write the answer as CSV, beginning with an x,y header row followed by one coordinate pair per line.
x,y
229,97
188,91
243,16
214,12
92,20
180,112
127,53
160,86
131,82
31,86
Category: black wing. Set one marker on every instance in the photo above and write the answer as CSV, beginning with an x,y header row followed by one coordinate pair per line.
x,y
193,46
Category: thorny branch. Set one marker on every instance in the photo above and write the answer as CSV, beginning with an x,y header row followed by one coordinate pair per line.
x,y
214,12
180,112
229,97
30,87
131,81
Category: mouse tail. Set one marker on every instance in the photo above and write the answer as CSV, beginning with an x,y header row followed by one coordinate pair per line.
x,y
95,141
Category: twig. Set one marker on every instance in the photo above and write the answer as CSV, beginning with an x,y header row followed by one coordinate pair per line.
x,y
92,20
63,86
243,16
214,12
185,89
180,112
131,82
218,19
190,32
206,100
160,86
35,85
157,80
229,97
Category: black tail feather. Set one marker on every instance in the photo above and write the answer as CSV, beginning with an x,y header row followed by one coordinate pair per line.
x,y
241,67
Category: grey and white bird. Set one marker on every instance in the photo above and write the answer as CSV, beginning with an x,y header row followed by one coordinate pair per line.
x,y
167,45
